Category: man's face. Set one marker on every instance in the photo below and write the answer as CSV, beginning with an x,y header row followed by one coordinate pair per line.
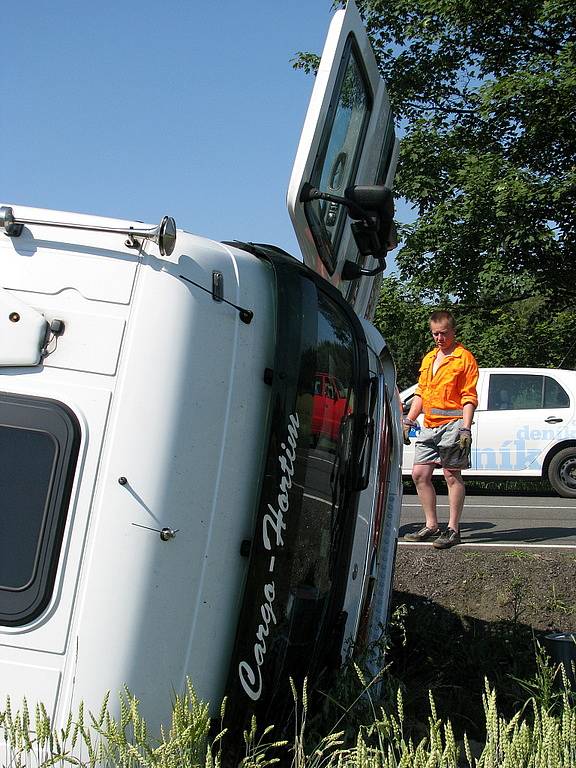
x,y
443,335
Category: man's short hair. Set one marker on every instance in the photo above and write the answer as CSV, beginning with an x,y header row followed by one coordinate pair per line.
x,y
443,316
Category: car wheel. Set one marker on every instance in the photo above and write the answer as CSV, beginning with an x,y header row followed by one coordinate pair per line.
x,y
562,473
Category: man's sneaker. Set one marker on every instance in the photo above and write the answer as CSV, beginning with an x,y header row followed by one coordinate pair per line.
x,y
423,534
447,539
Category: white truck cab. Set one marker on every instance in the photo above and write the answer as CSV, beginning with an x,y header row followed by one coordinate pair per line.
x,y
524,426
170,508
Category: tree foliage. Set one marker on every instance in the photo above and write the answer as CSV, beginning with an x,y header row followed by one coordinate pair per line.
x,y
517,334
402,318
484,92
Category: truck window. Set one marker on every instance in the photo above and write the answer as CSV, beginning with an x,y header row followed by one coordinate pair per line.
x,y
337,159
525,391
38,450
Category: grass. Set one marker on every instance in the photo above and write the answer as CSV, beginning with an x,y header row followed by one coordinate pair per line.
x,y
520,715
541,734
449,692
534,486
519,554
558,603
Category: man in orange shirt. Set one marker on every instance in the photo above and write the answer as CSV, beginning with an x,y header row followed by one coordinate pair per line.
x,y
446,394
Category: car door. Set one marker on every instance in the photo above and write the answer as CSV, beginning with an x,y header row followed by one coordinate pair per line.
x,y
522,412
347,139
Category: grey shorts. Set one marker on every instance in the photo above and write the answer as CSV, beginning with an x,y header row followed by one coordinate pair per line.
x,y
439,446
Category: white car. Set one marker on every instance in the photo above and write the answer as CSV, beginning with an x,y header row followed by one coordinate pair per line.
x,y
524,426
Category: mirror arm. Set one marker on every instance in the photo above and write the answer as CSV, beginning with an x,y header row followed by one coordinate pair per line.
x,y
376,271
351,270
309,193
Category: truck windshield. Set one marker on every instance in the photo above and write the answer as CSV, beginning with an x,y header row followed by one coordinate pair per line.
x,y
291,621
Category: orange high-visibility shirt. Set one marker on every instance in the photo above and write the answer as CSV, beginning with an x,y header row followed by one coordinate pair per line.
x,y
452,386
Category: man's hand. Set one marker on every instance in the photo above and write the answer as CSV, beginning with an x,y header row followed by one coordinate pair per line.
x,y
464,439
407,425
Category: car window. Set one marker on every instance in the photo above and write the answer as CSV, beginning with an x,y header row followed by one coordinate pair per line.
x,y
525,391
555,396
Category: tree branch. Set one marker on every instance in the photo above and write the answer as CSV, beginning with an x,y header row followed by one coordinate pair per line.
x,y
439,108
501,303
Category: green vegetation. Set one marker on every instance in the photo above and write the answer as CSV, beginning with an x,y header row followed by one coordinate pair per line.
x,y
540,733
527,332
536,736
483,94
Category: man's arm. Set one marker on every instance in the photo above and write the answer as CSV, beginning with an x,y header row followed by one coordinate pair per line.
x,y
409,421
470,396
415,408
468,392
468,415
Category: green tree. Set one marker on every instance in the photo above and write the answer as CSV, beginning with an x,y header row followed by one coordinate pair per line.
x,y
485,97
486,94
517,334
402,318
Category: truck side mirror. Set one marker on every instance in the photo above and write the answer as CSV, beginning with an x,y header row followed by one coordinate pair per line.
x,y
375,232
372,209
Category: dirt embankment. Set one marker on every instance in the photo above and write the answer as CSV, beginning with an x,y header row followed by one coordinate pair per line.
x,y
537,589
464,618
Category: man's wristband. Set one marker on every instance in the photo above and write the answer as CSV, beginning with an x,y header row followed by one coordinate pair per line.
x,y
409,422
465,429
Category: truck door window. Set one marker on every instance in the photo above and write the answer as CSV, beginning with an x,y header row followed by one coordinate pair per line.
x,y
38,450
337,160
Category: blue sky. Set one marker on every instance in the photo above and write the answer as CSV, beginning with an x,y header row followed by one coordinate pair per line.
x,y
140,109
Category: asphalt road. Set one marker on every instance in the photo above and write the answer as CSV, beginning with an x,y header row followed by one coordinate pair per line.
x,y
531,521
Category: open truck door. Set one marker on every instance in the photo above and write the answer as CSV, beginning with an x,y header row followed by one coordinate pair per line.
x,y
340,197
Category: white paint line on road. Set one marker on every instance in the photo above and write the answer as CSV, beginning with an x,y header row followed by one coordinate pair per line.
x,y
471,504
319,458
507,546
316,498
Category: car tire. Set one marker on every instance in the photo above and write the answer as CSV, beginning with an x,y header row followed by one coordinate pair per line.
x,y
562,473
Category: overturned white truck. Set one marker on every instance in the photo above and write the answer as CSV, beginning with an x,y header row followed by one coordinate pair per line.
x,y
199,440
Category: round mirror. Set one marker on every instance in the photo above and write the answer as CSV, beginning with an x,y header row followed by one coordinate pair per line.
x,y
167,236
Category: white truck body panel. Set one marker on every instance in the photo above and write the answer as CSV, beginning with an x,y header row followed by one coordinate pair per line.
x,y
150,411
166,386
